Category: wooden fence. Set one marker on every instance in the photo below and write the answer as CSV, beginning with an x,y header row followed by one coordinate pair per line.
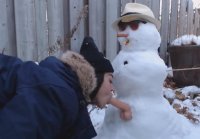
x,y
33,29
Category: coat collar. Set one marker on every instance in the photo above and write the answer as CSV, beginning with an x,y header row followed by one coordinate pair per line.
x,y
84,71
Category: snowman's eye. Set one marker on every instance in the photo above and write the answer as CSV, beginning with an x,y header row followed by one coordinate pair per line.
x,y
122,26
125,62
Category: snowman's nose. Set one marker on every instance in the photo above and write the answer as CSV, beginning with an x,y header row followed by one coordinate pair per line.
x,y
122,35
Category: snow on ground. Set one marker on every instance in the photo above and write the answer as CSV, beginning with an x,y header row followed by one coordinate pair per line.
x,y
185,101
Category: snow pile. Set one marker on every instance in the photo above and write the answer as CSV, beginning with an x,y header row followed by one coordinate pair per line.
x,y
186,40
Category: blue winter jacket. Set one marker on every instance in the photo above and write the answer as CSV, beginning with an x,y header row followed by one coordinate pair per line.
x,y
42,101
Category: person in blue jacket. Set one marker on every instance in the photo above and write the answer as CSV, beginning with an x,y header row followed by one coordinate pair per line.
x,y
49,100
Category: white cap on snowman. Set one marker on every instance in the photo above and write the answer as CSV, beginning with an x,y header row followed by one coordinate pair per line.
x,y
136,11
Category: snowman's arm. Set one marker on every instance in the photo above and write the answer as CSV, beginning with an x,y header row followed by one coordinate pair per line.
x,y
125,109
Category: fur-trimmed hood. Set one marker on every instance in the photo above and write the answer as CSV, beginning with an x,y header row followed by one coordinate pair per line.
x,y
84,71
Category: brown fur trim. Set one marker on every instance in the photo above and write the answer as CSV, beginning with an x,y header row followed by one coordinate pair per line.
x,y
84,71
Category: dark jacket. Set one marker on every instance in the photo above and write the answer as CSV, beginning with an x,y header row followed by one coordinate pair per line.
x,y
45,101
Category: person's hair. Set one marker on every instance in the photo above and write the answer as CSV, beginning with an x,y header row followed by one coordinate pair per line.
x,y
101,65
100,78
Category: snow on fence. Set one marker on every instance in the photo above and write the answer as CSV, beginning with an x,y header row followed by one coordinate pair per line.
x,y
34,29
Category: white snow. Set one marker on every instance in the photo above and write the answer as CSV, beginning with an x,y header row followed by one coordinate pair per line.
x,y
168,93
190,90
196,4
138,78
97,115
186,40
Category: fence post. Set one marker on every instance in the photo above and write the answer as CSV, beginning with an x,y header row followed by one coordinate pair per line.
x,y
66,21
182,18
97,22
173,20
145,2
41,28
155,6
190,18
123,3
55,26
196,22
7,28
164,29
111,38
26,29
76,9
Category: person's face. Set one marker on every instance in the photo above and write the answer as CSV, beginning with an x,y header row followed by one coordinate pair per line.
x,y
104,94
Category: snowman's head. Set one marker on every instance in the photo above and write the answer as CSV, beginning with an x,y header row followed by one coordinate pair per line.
x,y
137,11
137,28
138,35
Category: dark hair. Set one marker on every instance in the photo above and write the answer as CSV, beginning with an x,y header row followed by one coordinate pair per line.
x,y
100,78
97,60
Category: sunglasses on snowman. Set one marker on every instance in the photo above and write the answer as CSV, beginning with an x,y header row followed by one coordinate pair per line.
x,y
133,24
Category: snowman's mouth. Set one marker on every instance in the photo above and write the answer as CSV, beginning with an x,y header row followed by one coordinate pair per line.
x,y
126,41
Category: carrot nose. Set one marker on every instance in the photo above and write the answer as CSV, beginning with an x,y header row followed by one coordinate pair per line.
x,y
122,35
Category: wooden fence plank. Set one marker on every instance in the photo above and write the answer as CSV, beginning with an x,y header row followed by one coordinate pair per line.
x,y
164,29
198,32
97,22
66,22
190,17
41,29
55,25
145,2
182,18
26,29
3,28
111,39
7,28
196,22
155,7
11,27
173,20
123,3
76,7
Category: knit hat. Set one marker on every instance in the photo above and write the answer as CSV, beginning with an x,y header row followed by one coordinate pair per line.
x,y
91,53
101,65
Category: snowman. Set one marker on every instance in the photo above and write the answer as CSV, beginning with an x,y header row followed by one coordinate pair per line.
x,y
138,79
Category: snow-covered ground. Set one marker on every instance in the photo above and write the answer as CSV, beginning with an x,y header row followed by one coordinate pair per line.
x,y
185,101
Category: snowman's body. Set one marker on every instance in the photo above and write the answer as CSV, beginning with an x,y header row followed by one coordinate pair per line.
x,y
138,78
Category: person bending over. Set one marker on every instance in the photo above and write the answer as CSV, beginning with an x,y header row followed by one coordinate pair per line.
x,y
49,100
